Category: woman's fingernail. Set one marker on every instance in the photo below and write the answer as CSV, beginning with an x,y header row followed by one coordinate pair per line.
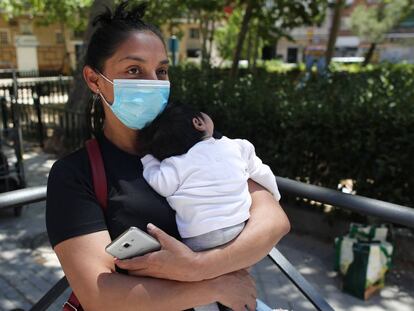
x,y
150,226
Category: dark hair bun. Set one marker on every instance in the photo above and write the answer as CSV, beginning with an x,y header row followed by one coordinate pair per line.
x,y
121,14
104,18
112,28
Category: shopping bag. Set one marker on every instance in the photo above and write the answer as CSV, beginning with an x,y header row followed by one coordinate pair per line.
x,y
365,274
368,233
343,253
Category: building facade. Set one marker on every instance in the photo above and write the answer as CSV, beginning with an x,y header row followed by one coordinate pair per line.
x,y
189,41
27,45
397,46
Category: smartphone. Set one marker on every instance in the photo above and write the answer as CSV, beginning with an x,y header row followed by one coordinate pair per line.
x,y
133,242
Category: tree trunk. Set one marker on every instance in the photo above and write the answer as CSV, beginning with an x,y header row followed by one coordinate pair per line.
x,y
249,49
255,50
204,37
369,54
333,34
211,39
66,57
80,93
242,35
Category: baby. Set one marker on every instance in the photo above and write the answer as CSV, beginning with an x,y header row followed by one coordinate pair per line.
x,y
204,179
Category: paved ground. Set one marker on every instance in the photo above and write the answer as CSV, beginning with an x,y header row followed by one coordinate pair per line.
x,y
28,267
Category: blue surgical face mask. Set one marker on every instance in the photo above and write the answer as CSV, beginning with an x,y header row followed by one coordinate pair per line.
x,y
138,102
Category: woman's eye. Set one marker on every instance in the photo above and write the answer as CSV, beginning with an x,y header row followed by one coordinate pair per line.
x,y
162,72
133,71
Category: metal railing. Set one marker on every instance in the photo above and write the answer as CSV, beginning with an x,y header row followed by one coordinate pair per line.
x,y
386,211
390,212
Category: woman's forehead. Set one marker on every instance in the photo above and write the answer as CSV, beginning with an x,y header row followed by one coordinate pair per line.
x,y
143,46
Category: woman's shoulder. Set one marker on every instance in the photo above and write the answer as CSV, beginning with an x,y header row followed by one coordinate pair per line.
x,y
71,205
72,170
74,162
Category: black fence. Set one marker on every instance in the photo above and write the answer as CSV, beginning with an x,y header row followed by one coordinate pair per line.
x,y
48,90
53,122
37,106
4,74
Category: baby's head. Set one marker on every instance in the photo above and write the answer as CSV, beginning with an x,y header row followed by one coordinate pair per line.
x,y
175,131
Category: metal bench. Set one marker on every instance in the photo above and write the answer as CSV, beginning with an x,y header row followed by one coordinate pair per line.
x,y
386,211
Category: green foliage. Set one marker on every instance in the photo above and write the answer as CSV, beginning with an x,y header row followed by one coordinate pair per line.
x,y
372,23
271,20
72,13
351,125
171,13
12,8
226,36
163,13
277,18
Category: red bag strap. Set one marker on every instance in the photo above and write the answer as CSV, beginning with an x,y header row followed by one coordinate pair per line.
x,y
72,304
101,193
98,172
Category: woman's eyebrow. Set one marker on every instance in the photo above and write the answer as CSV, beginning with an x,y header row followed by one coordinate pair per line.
x,y
140,59
131,57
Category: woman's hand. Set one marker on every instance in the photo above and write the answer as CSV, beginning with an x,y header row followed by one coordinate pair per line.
x,y
266,226
175,261
237,291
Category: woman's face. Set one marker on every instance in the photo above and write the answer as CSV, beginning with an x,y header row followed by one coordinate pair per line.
x,y
141,56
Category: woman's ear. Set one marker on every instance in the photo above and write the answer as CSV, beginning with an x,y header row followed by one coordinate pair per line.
x,y
199,124
91,78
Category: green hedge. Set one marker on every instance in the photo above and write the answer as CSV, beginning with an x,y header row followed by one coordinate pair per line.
x,y
349,125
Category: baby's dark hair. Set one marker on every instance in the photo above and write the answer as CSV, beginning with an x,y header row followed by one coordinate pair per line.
x,y
172,133
113,29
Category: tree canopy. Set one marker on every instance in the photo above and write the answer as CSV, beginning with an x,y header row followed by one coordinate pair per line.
x,y
269,21
372,23
71,13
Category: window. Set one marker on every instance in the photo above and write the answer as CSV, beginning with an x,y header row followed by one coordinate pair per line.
x,y
26,28
292,55
345,23
59,38
193,53
4,37
194,33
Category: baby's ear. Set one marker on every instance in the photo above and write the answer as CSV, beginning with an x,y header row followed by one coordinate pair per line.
x,y
199,124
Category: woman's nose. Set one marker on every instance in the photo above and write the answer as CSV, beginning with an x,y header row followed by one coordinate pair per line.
x,y
150,76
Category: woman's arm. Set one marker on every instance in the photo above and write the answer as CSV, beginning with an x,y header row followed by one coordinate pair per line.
x,y
266,226
90,272
268,223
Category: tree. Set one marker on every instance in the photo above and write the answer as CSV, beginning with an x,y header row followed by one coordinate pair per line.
x,y
165,14
336,22
206,14
226,35
269,21
171,13
372,23
247,16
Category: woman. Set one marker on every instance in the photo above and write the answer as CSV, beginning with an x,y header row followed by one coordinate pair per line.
x,y
174,278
